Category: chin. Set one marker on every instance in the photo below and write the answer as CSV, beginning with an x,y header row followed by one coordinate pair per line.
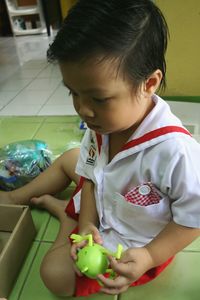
x,y
99,130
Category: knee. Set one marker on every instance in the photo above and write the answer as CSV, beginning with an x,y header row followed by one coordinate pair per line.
x,y
56,279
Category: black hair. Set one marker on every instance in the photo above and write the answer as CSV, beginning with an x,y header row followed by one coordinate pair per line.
x,y
132,31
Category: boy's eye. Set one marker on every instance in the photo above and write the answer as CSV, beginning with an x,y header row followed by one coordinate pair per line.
x,y
97,100
100,100
71,93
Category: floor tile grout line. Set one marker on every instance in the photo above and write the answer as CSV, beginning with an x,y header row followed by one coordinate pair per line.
x,y
191,251
42,70
39,242
10,101
37,130
43,241
28,271
33,78
19,91
45,228
42,106
51,94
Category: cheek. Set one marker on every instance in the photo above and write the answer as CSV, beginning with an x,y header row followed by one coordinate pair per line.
x,y
76,104
110,118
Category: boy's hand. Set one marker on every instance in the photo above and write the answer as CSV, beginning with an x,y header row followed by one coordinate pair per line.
x,y
131,266
89,229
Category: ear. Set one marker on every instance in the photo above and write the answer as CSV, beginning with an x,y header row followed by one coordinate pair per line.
x,y
153,82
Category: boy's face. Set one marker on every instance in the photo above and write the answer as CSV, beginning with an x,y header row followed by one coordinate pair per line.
x,y
103,99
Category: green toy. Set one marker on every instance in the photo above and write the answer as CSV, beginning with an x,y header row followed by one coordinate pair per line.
x,y
92,259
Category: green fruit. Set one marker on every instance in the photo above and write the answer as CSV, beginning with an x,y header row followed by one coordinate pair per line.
x,y
92,261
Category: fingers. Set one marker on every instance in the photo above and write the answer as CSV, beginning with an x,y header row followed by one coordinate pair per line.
x,y
96,236
114,291
76,270
123,280
91,229
121,268
120,283
133,264
75,247
115,286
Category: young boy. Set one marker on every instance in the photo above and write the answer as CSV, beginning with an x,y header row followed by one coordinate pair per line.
x,y
138,165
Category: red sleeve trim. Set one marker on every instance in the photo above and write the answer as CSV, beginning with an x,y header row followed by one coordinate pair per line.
x,y
70,209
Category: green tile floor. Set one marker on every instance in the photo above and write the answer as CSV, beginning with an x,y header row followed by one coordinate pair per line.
x,y
180,281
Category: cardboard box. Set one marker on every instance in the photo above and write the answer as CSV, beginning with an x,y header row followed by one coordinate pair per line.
x,y
17,232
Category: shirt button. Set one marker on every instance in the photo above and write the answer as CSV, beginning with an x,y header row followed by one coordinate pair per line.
x,y
144,190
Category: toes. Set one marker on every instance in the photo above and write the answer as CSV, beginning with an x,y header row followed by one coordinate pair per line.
x,y
53,205
39,201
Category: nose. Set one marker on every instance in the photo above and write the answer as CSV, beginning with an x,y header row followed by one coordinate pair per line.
x,y
84,109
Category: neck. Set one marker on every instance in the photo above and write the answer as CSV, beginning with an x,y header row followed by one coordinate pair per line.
x,y
118,139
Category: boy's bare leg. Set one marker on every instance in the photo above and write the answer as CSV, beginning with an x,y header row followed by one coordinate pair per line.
x,y
53,180
57,268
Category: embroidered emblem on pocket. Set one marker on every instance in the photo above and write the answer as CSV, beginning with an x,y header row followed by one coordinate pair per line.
x,y
92,153
143,195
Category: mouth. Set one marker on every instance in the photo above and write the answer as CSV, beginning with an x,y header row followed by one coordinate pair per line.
x,y
92,126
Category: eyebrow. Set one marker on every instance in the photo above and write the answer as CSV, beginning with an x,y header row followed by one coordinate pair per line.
x,y
92,90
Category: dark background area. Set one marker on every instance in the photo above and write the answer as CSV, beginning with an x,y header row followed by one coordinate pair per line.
x,y
51,12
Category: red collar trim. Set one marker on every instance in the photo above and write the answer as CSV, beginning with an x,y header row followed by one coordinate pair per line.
x,y
99,141
154,134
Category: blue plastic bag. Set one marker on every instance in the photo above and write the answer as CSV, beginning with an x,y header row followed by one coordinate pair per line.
x,y
22,161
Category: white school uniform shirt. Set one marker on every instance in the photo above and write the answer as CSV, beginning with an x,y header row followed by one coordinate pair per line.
x,y
161,156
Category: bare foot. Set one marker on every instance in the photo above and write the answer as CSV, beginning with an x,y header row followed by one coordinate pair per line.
x,y
53,205
6,198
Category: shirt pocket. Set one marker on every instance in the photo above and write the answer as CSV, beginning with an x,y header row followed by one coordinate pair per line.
x,y
144,194
139,222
